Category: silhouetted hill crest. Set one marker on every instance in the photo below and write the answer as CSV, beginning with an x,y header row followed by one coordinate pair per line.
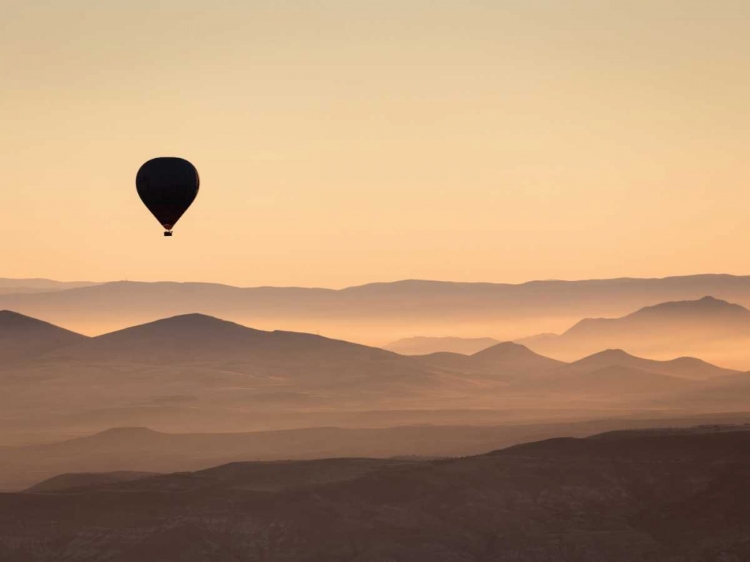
x,y
202,348
705,305
193,332
682,367
670,329
190,321
507,350
87,480
614,356
205,329
10,319
23,337
516,356
708,309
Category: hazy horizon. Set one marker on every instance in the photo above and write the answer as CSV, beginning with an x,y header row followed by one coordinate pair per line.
x,y
705,316
102,281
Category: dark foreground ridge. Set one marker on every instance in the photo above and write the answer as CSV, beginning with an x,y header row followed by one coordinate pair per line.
x,y
673,495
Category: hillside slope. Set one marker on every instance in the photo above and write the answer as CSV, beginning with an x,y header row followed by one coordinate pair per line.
x,y
625,497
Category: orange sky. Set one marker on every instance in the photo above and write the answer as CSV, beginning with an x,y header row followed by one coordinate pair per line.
x,y
344,141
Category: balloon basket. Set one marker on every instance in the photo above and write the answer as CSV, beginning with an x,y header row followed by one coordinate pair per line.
x,y
168,233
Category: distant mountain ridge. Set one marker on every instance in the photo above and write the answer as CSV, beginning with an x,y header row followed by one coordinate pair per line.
x,y
25,286
423,345
374,313
684,367
670,328
501,361
708,311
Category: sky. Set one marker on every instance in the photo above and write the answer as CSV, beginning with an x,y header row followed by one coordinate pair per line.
x,y
342,142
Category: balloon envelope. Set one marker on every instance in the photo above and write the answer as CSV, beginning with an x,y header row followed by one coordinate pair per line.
x,y
167,186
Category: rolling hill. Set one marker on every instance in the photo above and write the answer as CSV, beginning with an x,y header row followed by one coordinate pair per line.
x,y
710,328
502,361
198,373
708,317
646,496
22,337
682,367
512,355
134,450
197,338
80,480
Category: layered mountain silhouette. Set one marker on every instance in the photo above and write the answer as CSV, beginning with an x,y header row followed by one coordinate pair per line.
x,y
198,373
682,367
509,353
606,374
196,338
708,317
622,497
376,313
506,360
707,327
25,286
384,437
87,480
126,452
422,345
199,368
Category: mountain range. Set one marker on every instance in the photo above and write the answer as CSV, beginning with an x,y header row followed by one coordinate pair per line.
x,y
198,373
708,327
645,496
25,286
125,452
375,313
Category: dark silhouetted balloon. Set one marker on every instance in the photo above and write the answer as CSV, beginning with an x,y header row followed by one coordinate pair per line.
x,y
167,186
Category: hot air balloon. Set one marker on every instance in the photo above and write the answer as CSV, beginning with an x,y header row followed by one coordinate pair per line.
x,y
167,186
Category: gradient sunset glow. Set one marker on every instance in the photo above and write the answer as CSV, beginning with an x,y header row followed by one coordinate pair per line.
x,y
342,142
